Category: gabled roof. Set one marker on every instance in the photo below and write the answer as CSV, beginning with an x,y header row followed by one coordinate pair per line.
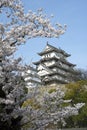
x,y
50,48
31,68
46,68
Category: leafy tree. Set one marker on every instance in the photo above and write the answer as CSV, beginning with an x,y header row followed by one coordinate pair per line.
x,y
16,28
78,93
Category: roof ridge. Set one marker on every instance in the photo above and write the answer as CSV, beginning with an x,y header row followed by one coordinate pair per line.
x,y
52,46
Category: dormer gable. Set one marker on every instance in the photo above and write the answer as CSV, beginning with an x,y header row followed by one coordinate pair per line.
x,y
43,70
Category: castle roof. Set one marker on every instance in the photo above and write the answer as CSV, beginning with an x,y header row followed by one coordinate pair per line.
x,y
62,68
31,68
49,48
53,80
33,81
52,72
53,58
56,73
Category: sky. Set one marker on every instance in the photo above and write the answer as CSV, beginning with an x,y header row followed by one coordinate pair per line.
x,y
73,13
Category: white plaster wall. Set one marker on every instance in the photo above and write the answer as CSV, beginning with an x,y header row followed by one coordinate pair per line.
x,y
48,63
43,72
32,78
59,70
53,54
57,55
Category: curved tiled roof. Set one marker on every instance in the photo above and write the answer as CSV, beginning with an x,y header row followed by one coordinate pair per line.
x,y
51,49
55,80
53,58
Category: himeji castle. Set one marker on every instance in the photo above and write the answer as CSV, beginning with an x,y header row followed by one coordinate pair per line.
x,y
53,67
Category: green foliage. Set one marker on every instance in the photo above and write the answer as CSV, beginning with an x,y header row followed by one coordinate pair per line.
x,y
78,93
32,102
52,90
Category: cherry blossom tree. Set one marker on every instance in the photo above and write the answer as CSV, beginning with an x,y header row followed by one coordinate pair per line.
x,y
15,29
50,111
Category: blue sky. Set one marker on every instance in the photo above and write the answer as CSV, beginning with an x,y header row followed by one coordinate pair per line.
x,y
74,41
